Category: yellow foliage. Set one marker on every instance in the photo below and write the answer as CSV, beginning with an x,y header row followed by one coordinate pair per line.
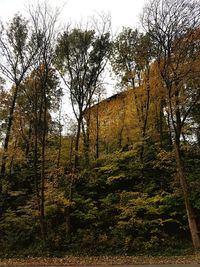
x,y
55,197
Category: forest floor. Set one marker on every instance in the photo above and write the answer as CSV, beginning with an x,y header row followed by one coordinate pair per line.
x,y
101,260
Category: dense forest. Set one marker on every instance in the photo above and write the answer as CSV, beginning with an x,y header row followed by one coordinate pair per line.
x,y
123,176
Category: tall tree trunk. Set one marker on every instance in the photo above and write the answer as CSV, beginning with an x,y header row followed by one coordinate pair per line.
x,y
177,127
42,198
86,139
76,160
145,119
12,160
35,153
71,162
169,130
7,136
29,140
68,208
184,185
161,116
60,137
97,130
44,133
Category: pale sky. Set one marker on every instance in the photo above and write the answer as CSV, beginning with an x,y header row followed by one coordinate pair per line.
x,y
123,13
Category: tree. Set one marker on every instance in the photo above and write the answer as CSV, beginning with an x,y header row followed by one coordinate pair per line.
x,y
131,60
19,45
4,96
81,57
36,96
174,29
18,48
44,21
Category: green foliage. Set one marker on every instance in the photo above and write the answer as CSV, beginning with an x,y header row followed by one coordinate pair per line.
x,y
81,56
128,201
118,206
17,230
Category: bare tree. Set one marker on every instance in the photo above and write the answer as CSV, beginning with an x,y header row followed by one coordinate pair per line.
x,y
174,28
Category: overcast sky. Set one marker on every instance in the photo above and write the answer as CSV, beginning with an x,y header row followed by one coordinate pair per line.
x,y
123,13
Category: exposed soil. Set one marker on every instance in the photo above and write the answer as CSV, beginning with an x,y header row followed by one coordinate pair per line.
x,y
101,260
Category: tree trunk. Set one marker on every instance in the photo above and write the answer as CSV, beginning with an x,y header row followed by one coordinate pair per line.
x,y
60,139
71,151
97,131
145,119
44,133
68,208
28,141
42,198
35,153
7,137
161,116
190,213
177,127
76,160
86,139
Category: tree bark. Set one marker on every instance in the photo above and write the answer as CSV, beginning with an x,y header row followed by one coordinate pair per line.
x,y
97,131
42,199
86,139
145,118
7,137
184,185
68,208
76,160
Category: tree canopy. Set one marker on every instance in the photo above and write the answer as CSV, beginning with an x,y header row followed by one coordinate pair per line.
x,y
122,177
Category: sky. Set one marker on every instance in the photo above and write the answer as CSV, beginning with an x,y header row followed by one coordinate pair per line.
x,y
123,13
